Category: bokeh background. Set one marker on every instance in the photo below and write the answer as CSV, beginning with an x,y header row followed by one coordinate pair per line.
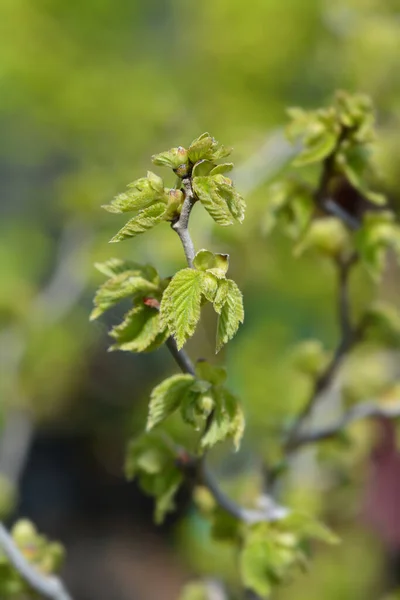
x,y
89,90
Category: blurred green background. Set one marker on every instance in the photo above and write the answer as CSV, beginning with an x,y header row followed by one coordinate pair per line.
x,y
90,89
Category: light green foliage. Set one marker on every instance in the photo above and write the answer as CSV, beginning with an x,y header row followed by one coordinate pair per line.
x,y
141,329
379,232
152,459
382,324
181,302
271,553
180,305
218,196
290,206
167,397
229,304
47,557
343,133
204,403
145,219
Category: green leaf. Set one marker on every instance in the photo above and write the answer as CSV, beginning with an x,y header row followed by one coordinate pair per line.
x,y
219,198
317,149
202,167
291,206
221,169
167,397
214,374
209,285
225,527
306,526
140,195
180,305
116,266
139,330
146,219
254,567
227,420
379,232
228,304
152,459
206,147
354,164
217,264
127,284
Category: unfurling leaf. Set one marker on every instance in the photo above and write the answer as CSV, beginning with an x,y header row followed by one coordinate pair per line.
x,y
141,194
146,219
217,264
152,459
127,284
228,304
206,147
226,421
218,196
379,233
290,205
180,305
167,397
140,331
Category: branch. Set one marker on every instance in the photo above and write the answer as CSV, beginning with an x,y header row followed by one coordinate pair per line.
x,y
182,224
47,586
349,337
360,411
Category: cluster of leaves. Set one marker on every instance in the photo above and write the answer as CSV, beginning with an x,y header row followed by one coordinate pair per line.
x,y
141,329
154,203
45,556
340,140
181,302
269,553
203,403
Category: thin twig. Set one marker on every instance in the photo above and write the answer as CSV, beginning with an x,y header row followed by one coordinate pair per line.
x,y
47,586
361,411
349,336
180,357
181,226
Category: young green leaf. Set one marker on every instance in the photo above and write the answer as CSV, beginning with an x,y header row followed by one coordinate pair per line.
x,y
141,194
167,397
146,219
227,420
206,147
152,459
217,264
228,304
219,198
125,285
173,158
116,266
139,330
180,305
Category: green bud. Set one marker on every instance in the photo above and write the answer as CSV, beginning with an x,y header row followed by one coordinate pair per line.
x,y
175,201
24,532
310,358
175,158
327,235
206,147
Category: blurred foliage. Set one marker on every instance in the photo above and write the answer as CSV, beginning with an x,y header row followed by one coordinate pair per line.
x,y
89,91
